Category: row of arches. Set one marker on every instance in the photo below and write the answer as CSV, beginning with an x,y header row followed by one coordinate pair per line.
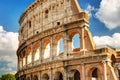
x,y
74,75
35,53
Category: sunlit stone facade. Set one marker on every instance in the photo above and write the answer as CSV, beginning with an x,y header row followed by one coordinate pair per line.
x,y
47,45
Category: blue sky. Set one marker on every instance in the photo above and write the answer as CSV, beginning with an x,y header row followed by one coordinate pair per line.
x,y
10,12
104,25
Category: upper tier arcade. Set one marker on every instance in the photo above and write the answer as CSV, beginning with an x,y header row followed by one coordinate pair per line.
x,y
43,15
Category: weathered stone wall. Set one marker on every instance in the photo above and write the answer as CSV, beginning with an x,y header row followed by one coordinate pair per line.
x,y
42,25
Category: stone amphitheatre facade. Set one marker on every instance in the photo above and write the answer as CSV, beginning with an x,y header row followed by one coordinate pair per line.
x,y
42,26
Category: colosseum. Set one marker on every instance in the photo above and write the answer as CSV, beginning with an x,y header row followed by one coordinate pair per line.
x,y
48,49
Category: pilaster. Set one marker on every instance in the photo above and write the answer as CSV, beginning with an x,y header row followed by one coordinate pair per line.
x,y
51,47
66,38
83,72
104,69
40,51
32,50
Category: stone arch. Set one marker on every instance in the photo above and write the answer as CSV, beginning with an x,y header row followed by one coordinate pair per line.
x,y
35,77
29,57
20,61
59,44
74,36
76,46
24,58
75,75
46,49
45,77
118,73
95,74
36,52
58,76
46,13
113,59
28,78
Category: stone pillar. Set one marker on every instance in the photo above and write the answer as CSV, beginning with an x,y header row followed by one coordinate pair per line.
x,y
26,56
51,47
54,48
40,51
83,72
32,50
18,65
22,61
66,75
69,42
82,40
51,76
39,77
104,69
65,44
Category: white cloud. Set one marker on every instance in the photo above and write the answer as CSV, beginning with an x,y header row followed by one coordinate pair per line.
x,y
8,47
113,40
89,9
8,40
109,13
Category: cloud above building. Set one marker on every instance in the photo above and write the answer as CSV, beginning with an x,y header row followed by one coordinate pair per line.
x,y
89,10
109,13
8,47
113,41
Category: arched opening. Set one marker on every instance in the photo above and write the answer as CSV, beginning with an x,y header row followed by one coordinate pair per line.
x,y
58,76
113,59
29,24
45,77
47,51
24,58
119,74
76,75
60,46
95,74
35,78
28,78
76,42
46,13
24,61
29,57
20,62
36,53
61,76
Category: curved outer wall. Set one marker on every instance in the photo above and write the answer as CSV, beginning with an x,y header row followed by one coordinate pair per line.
x,y
42,25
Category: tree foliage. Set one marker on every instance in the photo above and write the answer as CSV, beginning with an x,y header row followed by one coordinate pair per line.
x,y
7,77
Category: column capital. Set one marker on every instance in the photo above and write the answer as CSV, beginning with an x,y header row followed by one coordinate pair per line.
x,y
84,25
106,60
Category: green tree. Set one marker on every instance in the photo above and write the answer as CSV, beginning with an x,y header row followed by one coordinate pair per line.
x,y
7,77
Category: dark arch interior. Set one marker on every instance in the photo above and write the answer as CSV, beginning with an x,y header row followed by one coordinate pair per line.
x,y
28,78
45,77
113,60
77,75
94,73
35,78
60,76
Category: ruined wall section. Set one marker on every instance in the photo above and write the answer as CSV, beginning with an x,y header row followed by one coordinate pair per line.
x,y
46,14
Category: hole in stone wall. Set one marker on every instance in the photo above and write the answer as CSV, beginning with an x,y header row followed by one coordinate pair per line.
x,y
46,13
37,32
58,23
29,24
